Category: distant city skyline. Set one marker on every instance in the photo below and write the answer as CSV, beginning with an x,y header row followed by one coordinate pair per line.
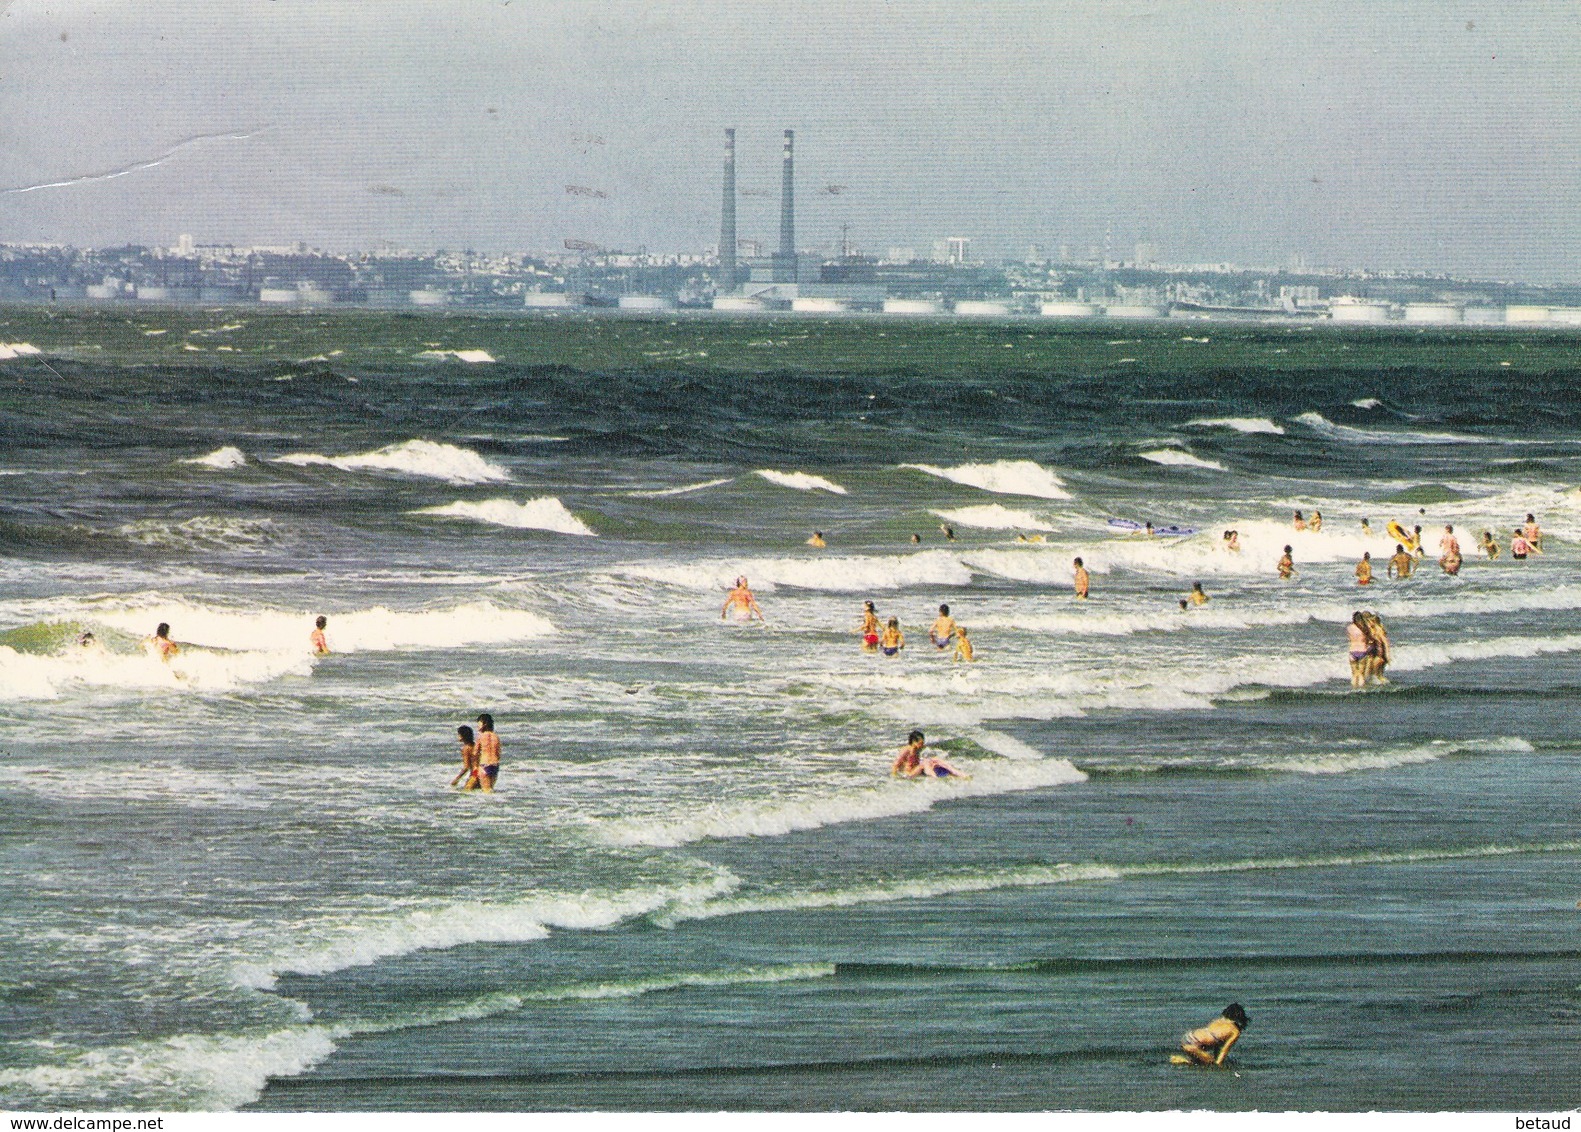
x,y
1419,136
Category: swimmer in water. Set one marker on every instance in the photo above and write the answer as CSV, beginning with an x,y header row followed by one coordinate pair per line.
x,y
893,640
817,540
1417,549
1378,642
1488,546
1210,1044
1232,541
1366,529
1196,596
1533,533
1081,580
869,628
1449,551
469,759
316,637
1400,562
948,531
1521,546
161,643
911,763
1299,523
943,629
488,748
1316,524
740,600
1364,569
916,540
963,647
1287,565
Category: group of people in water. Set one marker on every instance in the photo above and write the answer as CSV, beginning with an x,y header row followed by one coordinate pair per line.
x,y
887,638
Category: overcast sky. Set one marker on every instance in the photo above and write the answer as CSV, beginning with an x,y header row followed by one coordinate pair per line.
x,y
1431,134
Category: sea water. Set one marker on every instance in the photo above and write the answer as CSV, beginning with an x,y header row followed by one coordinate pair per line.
x,y
240,880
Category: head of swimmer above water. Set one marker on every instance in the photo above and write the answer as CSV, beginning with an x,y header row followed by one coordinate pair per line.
x,y
163,630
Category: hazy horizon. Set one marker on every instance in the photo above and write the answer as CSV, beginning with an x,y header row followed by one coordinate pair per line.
x,y
1431,136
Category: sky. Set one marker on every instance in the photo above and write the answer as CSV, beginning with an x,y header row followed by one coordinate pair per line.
x,y
1431,135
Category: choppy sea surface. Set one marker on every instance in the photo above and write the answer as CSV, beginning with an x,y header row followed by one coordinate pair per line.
x,y
240,879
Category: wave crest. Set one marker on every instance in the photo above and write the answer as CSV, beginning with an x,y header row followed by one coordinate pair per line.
x,y
1003,477
543,514
411,457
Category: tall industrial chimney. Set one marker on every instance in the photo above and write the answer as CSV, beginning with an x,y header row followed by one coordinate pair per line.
x,y
727,214
787,253
788,199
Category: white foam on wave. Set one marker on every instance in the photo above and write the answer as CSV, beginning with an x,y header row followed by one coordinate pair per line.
x,y
1039,876
169,783
1239,424
222,459
691,487
1003,477
1344,762
1324,427
28,676
1367,403
472,357
543,514
411,457
202,532
10,350
994,517
1175,458
377,629
889,798
1006,746
317,949
851,574
800,481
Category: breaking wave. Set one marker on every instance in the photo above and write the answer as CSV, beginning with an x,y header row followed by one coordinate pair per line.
x,y
544,514
1003,477
411,457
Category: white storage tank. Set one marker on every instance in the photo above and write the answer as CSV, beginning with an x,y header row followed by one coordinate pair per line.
x,y
277,295
982,307
1525,315
815,304
103,290
737,303
913,306
1348,309
646,303
548,300
153,294
427,298
1433,313
1065,308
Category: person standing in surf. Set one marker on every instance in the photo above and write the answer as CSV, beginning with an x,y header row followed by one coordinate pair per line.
x,y
317,639
1521,546
1449,551
1364,569
1488,546
1359,646
1287,565
1299,522
943,630
161,643
1196,596
1533,533
1401,562
1082,580
1379,653
870,629
892,640
1316,524
740,600
488,753
963,646
1210,1044
469,759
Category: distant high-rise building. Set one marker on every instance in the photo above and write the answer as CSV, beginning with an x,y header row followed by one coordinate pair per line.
x,y
184,244
727,214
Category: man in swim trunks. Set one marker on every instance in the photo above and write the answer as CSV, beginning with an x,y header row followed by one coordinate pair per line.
x,y
1287,565
741,600
1082,581
1364,569
488,752
1400,562
1210,1044
316,637
943,629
